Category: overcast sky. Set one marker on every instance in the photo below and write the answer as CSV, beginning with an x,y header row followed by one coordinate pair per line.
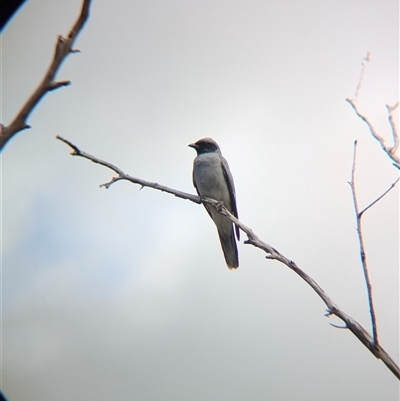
x,y
124,294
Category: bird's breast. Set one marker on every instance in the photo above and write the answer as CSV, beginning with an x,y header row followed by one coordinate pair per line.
x,y
210,179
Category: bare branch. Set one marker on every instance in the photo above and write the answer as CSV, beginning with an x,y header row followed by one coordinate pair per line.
x,y
395,133
253,239
58,84
360,81
62,50
379,197
362,250
122,176
390,150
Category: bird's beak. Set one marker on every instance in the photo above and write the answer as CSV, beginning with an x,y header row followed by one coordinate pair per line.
x,y
193,145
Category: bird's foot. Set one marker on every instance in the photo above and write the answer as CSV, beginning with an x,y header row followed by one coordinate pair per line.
x,y
219,205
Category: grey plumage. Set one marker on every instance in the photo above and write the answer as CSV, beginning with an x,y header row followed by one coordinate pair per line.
x,y
212,178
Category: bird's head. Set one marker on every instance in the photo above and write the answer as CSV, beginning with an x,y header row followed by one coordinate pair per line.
x,y
205,145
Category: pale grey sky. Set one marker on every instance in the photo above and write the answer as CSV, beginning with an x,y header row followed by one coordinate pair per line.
x,y
124,294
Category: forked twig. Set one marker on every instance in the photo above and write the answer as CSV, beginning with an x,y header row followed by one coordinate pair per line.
x,y
253,239
391,151
363,256
62,50
362,250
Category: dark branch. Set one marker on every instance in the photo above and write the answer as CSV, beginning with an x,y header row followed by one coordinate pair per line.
x,y
62,50
253,239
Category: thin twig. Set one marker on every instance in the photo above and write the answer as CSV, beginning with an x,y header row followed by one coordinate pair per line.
x,y
362,251
389,150
253,239
379,197
363,66
393,126
62,50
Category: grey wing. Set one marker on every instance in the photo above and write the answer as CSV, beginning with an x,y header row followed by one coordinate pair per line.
x,y
232,193
198,193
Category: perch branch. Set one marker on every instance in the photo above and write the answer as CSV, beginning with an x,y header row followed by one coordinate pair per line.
x,y
62,50
253,239
122,176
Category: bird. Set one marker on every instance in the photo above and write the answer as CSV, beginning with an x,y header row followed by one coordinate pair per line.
x,y
212,178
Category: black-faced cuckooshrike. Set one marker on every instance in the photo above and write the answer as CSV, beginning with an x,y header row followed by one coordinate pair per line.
x,y
212,178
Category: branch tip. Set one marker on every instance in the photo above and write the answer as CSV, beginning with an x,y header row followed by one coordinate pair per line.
x,y
337,326
379,197
392,108
75,149
57,84
62,48
389,150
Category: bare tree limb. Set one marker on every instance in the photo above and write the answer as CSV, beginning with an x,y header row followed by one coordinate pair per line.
x,y
362,250
122,176
374,342
390,150
253,239
62,50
